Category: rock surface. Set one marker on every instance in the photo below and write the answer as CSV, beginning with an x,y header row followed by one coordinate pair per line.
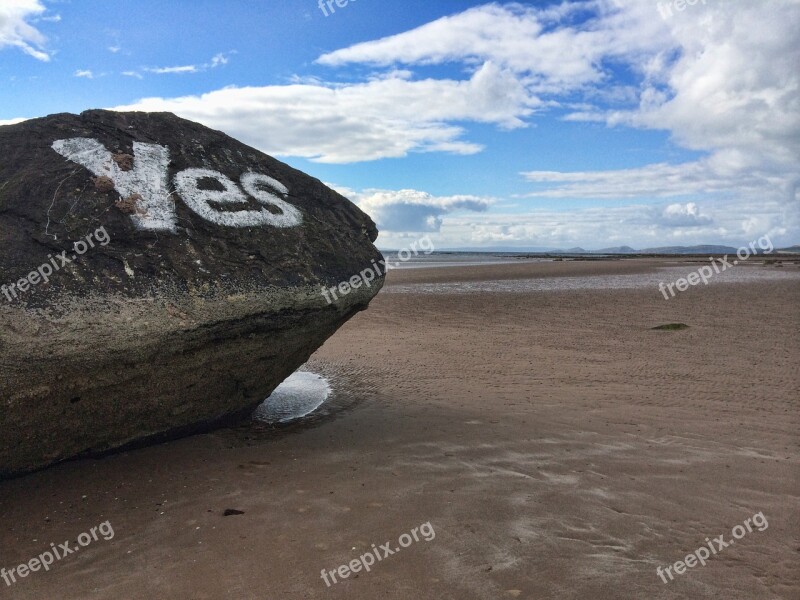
x,y
159,278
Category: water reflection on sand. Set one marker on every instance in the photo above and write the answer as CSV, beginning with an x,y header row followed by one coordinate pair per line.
x,y
298,396
745,274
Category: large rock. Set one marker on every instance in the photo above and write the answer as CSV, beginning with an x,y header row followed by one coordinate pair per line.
x,y
173,280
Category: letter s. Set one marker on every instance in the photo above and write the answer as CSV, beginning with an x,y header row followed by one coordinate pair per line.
x,y
290,217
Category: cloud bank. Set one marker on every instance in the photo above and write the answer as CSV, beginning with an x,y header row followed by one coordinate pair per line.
x,y
408,211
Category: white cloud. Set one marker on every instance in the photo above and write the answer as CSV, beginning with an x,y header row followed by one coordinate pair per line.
x,y
715,175
380,118
216,61
16,31
735,85
684,215
11,121
133,74
88,74
172,70
219,59
540,44
411,210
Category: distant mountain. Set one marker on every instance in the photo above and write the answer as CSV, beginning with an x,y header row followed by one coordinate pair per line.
x,y
616,250
517,249
702,249
576,250
678,250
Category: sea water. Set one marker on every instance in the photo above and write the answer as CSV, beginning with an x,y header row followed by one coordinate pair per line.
x,y
298,396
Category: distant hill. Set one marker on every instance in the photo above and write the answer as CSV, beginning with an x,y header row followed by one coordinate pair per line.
x,y
702,249
616,250
517,249
677,250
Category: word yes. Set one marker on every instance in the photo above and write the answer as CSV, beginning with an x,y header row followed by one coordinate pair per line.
x,y
148,181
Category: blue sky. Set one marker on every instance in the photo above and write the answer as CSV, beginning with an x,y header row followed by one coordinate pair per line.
x,y
591,123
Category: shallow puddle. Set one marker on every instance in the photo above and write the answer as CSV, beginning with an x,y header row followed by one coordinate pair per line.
x,y
298,396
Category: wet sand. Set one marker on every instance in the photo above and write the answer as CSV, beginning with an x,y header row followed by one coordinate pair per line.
x,y
558,446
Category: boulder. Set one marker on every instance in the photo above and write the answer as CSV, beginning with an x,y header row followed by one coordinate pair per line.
x,y
158,278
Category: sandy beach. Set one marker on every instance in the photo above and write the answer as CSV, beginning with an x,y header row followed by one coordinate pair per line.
x,y
539,443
